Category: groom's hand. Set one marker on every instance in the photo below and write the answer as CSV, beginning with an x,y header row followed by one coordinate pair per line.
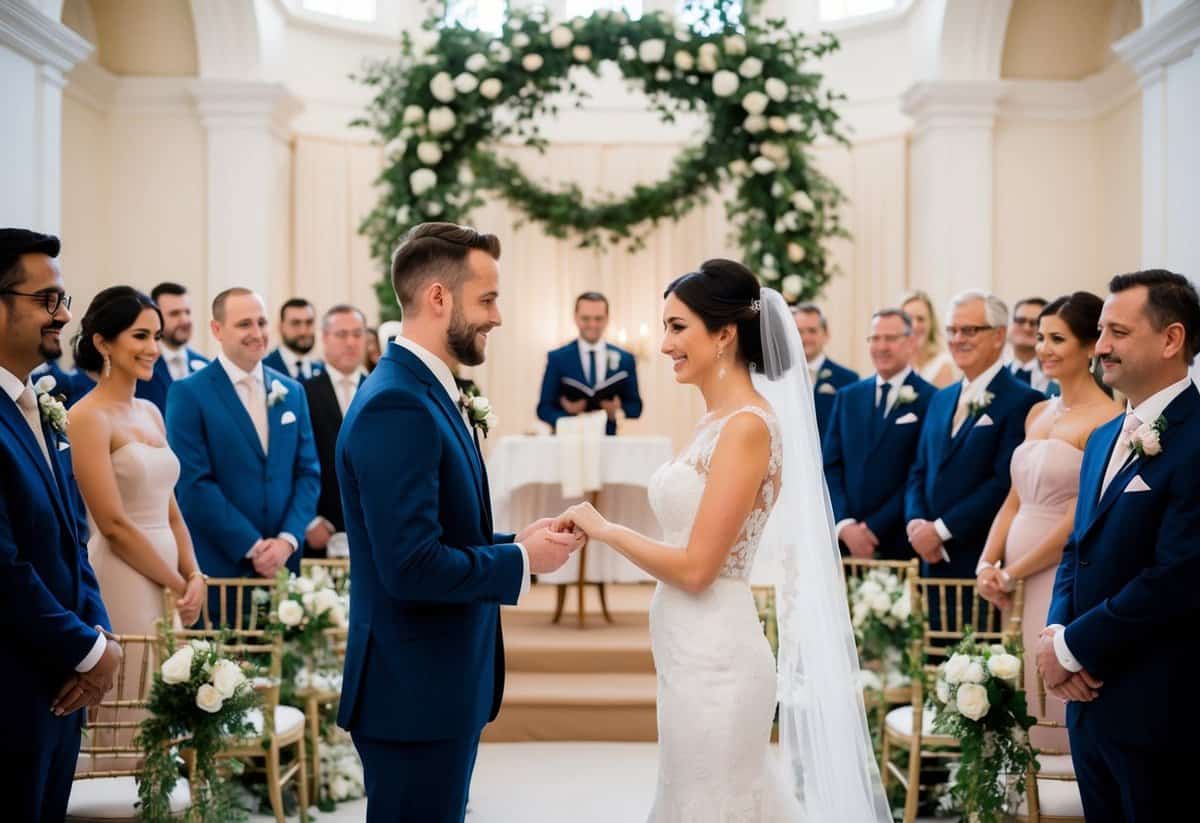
x,y
548,550
533,528
1052,671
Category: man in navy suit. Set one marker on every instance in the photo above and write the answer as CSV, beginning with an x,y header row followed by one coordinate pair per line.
x,y
425,658
249,476
297,337
962,475
826,376
178,359
590,361
872,441
1120,645
56,658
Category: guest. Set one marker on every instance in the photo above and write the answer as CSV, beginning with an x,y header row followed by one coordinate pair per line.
x,y
1022,340
297,337
1121,636
55,658
961,474
64,381
249,476
343,338
374,352
177,359
825,375
590,362
872,440
933,362
1029,532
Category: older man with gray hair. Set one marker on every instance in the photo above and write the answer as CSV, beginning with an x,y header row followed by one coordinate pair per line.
x,y
961,475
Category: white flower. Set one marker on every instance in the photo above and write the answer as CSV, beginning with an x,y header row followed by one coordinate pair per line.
x,y
532,62
520,40
861,610
466,83
441,120
684,60
178,667
868,679
902,608
561,37
955,668
290,613
307,600
413,114
582,54
429,153
209,699
972,701
751,67
301,585
421,181
442,87
501,52
652,51
739,167
724,83
777,90
1005,666
768,261
491,88
44,384
881,604
619,17
339,787
778,125
795,252
974,673
628,53
1146,440
802,201
755,102
476,63
227,676
706,58
791,290
942,689
277,393
201,645
762,165
869,587
480,405
337,616
325,600
791,222
735,45
754,123
907,394
662,75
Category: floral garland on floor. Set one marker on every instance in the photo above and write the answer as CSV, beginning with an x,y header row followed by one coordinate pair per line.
x,y
435,109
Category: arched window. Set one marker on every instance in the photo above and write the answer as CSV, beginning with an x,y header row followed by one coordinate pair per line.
x,y
831,10
363,11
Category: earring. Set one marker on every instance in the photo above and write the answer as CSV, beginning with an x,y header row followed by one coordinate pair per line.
x,y
721,370
107,366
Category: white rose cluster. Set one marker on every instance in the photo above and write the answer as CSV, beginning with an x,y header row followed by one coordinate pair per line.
x,y
963,681
310,599
341,771
223,677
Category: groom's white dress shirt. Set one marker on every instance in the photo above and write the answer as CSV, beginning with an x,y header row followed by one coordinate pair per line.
x,y
444,376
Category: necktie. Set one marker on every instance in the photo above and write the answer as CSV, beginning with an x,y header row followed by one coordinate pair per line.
x,y
345,393
1024,375
1121,451
960,413
29,409
592,381
884,388
256,407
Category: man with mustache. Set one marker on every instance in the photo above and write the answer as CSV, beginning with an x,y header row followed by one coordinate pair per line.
x,y
178,360
297,337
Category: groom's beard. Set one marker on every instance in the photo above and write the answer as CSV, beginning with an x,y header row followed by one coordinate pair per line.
x,y
460,338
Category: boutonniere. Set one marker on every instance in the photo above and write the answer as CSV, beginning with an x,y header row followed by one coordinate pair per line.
x,y
52,407
614,360
1147,440
976,406
825,374
479,411
277,393
906,395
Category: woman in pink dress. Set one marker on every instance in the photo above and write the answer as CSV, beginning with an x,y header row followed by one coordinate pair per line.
x,y
1030,530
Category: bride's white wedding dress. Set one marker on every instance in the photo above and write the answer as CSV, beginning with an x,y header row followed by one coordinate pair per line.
x,y
716,673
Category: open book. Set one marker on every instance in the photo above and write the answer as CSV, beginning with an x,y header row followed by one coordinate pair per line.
x,y
607,388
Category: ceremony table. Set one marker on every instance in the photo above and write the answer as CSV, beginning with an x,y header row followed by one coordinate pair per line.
x,y
526,477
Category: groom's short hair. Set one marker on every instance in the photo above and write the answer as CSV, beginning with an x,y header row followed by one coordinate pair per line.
x,y
436,251
1170,298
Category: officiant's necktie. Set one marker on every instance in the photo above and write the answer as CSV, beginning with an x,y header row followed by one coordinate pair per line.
x,y
1122,451
29,409
592,381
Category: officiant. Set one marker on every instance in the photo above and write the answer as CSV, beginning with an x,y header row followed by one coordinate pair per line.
x,y
589,374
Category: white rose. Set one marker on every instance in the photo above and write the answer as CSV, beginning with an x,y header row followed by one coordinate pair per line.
x,y
209,699
972,701
955,667
491,88
735,45
880,603
441,120
775,152
739,167
751,67
796,253
869,587
706,58
582,54
429,153
200,645
684,61
491,421
501,52
227,676
561,37
290,613
1005,666
755,102
652,51
762,165
902,608
480,404
628,53
45,383
974,673
861,610
802,201
476,63
337,616
755,123
178,667
777,90
442,87
520,40
325,600
778,125
339,787
307,600
768,261
791,290
1148,435
619,17
724,83
300,585
466,83
942,689
532,62
868,679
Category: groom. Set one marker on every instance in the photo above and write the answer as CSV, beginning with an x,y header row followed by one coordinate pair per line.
x,y
425,658
1120,644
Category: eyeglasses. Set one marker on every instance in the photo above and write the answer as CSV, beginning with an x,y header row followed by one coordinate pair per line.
x,y
1030,322
968,332
885,338
50,300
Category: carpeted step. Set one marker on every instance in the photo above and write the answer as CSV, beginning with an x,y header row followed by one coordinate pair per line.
x,y
576,706
623,647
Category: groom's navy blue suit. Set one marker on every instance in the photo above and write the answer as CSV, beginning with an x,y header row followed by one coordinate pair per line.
x,y
1126,591
425,659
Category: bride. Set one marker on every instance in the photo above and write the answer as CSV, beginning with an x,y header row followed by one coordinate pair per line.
x,y
749,484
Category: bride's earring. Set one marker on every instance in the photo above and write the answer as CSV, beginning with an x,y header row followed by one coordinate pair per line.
x,y
107,366
721,370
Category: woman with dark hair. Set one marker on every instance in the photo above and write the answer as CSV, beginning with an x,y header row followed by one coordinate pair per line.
x,y
374,352
747,496
1030,530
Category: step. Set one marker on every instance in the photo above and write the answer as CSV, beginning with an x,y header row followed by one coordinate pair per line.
x,y
623,647
576,706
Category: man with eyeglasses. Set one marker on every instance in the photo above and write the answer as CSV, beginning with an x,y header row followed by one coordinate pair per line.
x,y
872,441
1022,341
56,657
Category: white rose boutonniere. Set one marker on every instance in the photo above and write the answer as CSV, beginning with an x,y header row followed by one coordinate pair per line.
x,y
976,406
53,408
825,374
1146,441
906,395
614,360
278,392
479,412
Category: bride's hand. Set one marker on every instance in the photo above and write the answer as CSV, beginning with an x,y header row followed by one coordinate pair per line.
x,y
582,517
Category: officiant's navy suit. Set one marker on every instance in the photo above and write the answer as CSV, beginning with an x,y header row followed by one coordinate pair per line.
x,y
566,362
49,605
425,658
1126,591
868,457
231,494
831,378
155,389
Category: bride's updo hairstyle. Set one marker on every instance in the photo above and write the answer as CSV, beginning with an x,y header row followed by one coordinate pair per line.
x,y
722,293
111,312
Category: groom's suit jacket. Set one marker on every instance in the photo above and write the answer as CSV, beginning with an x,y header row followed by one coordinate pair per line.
x,y
1126,589
425,657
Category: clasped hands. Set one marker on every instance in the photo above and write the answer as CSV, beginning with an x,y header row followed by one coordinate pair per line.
x,y
1079,686
88,688
269,554
551,540
925,540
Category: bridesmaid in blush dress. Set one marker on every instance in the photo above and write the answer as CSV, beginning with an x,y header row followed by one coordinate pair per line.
x,y
1032,527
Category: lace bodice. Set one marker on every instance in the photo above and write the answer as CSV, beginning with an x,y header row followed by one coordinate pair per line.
x,y
676,488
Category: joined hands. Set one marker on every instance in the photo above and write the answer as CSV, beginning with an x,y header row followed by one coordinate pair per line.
x,y
548,548
1078,686
88,688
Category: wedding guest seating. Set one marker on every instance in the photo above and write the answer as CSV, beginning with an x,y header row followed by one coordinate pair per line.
x,y
1052,793
323,696
855,568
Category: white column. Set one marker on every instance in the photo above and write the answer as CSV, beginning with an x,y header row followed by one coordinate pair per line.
x,y
249,180
951,189
35,52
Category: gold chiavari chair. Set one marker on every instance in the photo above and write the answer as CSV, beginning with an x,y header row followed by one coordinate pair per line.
x,y
910,728
1051,793
857,567
105,787
313,696
338,569
278,727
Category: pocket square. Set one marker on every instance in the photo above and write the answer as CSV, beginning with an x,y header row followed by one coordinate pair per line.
x,y
63,445
826,388
984,421
906,419
1137,484
197,365
288,417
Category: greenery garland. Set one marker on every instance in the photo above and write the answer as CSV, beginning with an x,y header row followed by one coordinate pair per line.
x,y
435,108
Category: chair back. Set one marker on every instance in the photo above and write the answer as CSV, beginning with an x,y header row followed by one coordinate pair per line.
x,y
107,748
337,569
957,606
856,568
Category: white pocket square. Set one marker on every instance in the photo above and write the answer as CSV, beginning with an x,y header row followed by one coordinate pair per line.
x,y
1137,484
197,365
826,388
906,419
63,445
984,421
288,417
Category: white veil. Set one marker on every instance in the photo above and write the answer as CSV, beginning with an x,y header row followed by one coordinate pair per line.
x,y
822,722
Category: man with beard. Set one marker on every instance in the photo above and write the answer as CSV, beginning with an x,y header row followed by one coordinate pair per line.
x,y
178,360
297,336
